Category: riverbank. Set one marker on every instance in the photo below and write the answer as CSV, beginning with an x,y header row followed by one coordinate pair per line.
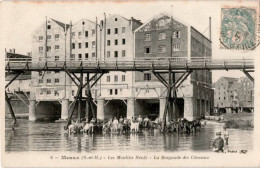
x,y
234,120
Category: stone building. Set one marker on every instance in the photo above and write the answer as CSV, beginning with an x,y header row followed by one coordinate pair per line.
x,y
233,95
165,37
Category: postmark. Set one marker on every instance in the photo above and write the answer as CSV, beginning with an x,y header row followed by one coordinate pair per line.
x,y
238,28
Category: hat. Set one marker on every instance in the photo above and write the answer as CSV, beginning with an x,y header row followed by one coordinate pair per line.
x,y
218,133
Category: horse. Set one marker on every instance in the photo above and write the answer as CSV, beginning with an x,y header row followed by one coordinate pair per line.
x,y
134,126
88,128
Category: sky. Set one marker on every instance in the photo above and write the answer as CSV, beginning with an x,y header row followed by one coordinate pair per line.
x,y
19,19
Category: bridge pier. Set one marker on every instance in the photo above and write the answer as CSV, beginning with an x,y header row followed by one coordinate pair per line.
x,y
101,109
32,110
65,109
189,106
130,108
162,107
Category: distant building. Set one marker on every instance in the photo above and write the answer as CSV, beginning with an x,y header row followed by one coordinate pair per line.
x,y
233,95
166,36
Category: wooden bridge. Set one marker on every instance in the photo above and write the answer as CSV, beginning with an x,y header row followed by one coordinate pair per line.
x,y
157,66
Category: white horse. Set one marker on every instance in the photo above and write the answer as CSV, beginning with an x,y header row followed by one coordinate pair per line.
x,y
88,128
134,126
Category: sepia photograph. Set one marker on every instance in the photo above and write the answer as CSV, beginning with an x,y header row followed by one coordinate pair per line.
x,y
130,84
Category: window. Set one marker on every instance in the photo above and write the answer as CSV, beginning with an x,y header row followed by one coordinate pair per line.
x,y
108,54
147,76
123,78
79,57
123,53
123,29
86,33
48,92
116,30
57,80
73,93
73,45
57,36
162,36
40,81
40,73
57,58
48,48
93,32
115,91
161,22
86,56
93,44
73,34
40,49
116,42
79,34
49,26
48,81
57,47
72,58
176,34
116,54
108,42
79,45
40,38
176,47
147,50
86,44
123,41
147,37
41,92
115,78
108,31
161,49
56,93
108,78
93,55
111,91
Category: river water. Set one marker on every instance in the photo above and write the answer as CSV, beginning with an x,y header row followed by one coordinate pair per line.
x,y
42,136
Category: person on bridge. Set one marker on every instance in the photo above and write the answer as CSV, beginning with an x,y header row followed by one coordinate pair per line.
x,y
218,143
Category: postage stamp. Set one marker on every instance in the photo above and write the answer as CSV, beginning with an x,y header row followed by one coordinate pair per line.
x,y
238,28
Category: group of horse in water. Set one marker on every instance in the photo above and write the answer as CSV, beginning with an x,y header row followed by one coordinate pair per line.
x,y
134,125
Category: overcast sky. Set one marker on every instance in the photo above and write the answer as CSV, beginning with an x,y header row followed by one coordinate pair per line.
x,y
19,20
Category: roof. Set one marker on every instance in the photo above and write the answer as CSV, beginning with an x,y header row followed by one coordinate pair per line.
x,y
21,77
16,56
83,19
64,26
230,79
161,15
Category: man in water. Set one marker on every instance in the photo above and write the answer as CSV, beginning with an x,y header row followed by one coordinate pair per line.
x,y
139,119
146,120
218,143
121,120
226,134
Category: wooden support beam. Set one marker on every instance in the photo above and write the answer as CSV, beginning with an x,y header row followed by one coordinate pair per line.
x,y
161,79
181,81
75,76
10,82
21,99
14,124
88,80
80,96
93,84
249,76
166,109
71,77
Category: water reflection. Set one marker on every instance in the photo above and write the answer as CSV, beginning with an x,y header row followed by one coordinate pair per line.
x,y
51,137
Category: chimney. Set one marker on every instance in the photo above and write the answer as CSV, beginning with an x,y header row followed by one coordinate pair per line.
x,y
210,28
13,50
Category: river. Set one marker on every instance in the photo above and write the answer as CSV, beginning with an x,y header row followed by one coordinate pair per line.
x,y
42,136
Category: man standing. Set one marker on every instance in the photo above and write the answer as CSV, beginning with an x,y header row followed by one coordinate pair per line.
x,y
226,134
218,143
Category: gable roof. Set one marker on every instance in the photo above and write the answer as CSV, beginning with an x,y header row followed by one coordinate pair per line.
x,y
64,26
161,15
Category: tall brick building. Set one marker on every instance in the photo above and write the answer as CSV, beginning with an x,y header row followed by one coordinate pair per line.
x,y
165,36
233,95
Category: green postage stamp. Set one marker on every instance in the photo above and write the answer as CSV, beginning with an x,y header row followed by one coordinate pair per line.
x,y
238,28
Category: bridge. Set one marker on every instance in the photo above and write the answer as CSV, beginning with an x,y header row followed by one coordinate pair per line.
x,y
157,66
